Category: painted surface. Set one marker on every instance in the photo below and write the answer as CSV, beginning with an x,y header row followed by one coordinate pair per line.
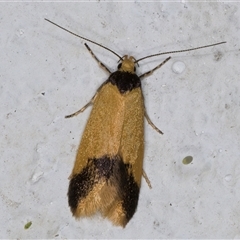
x,y
47,73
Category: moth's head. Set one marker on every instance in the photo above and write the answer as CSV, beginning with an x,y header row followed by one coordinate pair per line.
x,y
127,64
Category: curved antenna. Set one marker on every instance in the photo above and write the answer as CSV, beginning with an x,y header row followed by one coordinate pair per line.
x,y
186,50
84,38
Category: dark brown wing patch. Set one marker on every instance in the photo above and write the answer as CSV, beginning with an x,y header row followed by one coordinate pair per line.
x,y
106,185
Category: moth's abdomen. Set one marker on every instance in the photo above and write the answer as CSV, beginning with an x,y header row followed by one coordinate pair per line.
x,y
106,185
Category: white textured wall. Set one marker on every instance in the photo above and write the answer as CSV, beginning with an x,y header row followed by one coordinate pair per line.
x,y
46,73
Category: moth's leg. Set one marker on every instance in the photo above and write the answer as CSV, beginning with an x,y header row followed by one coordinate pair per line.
x,y
150,122
94,97
157,67
98,61
88,104
146,179
83,108
145,112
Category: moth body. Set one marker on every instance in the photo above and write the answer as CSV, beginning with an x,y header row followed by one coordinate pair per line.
x,y
108,168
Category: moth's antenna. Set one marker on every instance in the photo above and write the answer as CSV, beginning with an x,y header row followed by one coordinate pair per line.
x,y
186,50
84,38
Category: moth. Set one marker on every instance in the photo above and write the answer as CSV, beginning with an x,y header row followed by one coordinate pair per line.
x,y
107,172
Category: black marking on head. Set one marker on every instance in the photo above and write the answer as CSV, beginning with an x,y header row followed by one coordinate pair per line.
x,y
125,81
114,172
119,65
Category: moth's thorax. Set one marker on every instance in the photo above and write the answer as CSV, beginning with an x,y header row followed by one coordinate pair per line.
x,y
124,80
128,64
